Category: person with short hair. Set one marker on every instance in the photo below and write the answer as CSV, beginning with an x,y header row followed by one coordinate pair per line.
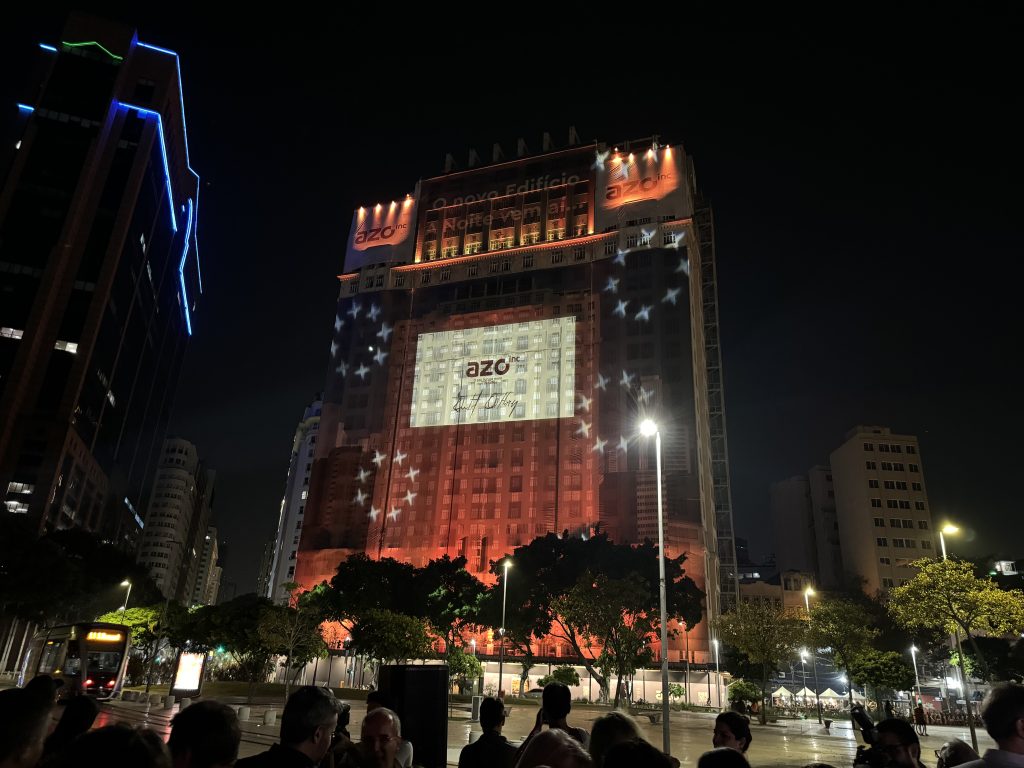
x,y
377,700
307,729
379,739
953,753
732,730
898,740
556,703
205,735
636,753
723,757
24,720
608,731
491,749
1003,713
554,748
79,715
116,746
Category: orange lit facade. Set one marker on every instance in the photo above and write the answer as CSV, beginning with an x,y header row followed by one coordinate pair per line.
x,y
493,355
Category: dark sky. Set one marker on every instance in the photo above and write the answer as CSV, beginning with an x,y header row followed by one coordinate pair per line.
x,y
864,169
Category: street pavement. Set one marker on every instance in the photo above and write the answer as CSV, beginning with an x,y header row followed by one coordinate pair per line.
x,y
792,743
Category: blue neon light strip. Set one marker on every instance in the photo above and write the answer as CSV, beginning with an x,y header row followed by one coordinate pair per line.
x,y
188,160
181,269
26,108
46,47
163,151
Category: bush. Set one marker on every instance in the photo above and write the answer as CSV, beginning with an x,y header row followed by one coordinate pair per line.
x,y
566,675
745,691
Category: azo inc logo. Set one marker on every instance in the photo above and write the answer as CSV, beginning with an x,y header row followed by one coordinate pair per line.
x,y
497,367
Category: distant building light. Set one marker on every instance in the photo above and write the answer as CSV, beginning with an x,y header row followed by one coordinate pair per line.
x,y
1006,567
11,333
67,346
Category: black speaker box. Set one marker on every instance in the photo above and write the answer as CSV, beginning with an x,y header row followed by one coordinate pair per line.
x,y
419,693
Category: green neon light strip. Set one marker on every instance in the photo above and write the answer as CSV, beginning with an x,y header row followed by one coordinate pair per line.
x,y
114,56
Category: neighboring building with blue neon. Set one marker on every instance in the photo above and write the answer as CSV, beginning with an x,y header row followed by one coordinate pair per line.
x,y
99,278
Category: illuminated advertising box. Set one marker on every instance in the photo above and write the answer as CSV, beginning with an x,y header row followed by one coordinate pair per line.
x,y
381,234
646,175
498,373
188,674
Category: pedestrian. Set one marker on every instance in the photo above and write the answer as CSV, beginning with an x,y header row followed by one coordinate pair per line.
x,y
45,687
556,704
491,750
377,700
79,715
205,735
116,746
608,731
307,729
554,748
24,719
920,720
723,757
633,753
898,740
379,739
732,730
1003,714
953,753
889,712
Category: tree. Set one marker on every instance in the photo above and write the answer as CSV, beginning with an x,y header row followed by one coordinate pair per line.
x,y
144,628
236,626
386,636
293,631
564,675
765,634
946,594
883,671
745,691
842,628
451,599
464,668
548,569
362,584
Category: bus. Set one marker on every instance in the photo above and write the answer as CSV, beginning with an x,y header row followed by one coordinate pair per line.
x,y
90,658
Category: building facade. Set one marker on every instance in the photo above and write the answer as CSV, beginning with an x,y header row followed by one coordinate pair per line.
x,y
207,582
293,505
177,520
265,572
99,278
500,333
882,509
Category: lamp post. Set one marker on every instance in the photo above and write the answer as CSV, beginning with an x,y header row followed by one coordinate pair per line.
x,y
126,583
803,671
917,677
718,676
648,428
952,529
814,655
501,631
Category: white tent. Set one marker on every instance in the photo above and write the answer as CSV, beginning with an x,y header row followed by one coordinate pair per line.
x,y
804,693
782,692
828,693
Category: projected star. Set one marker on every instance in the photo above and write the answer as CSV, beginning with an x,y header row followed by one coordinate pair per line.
x,y
334,348
620,308
338,322
599,159
374,512
648,234
677,240
620,258
380,357
360,497
684,266
400,457
599,445
411,474
354,310
362,474
373,312
644,395
584,403
644,313
583,428
342,368
409,497
602,382
394,513
361,371
612,286
623,444
670,295
379,458
384,332
627,378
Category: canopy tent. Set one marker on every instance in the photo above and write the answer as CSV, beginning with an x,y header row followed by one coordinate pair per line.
x,y
828,693
782,692
804,693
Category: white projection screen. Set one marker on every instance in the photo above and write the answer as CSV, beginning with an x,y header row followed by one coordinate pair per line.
x,y
495,373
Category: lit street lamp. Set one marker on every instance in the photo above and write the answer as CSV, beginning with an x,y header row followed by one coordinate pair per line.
x,y
501,631
718,676
917,677
126,583
814,656
647,429
951,529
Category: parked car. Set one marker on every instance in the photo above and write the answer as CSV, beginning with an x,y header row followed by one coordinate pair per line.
x,y
534,693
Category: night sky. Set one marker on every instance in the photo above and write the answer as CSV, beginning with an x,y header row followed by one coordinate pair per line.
x,y
864,170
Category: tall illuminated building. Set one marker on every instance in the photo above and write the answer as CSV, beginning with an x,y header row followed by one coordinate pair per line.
x,y
99,277
500,333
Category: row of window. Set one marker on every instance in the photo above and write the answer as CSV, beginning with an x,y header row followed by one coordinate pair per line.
x,y
902,543
901,522
891,448
892,466
894,485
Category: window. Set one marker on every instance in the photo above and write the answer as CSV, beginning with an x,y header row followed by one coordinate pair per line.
x,y
887,466
914,468
870,465
887,583
896,448
922,524
890,485
876,503
892,504
883,448
305,494
919,505
926,544
898,466
916,487
879,522
904,504
869,446
894,522
911,449
901,485
872,483
528,261
884,561
882,542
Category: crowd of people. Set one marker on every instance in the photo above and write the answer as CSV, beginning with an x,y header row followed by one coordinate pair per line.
x,y
314,734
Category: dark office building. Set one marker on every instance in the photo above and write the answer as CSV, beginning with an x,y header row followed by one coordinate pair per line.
x,y
99,277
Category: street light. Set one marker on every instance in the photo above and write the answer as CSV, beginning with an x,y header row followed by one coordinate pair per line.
x,y
803,670
126,583
951,529
814,656
917,678
472,643
501,631
718,676
648,428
